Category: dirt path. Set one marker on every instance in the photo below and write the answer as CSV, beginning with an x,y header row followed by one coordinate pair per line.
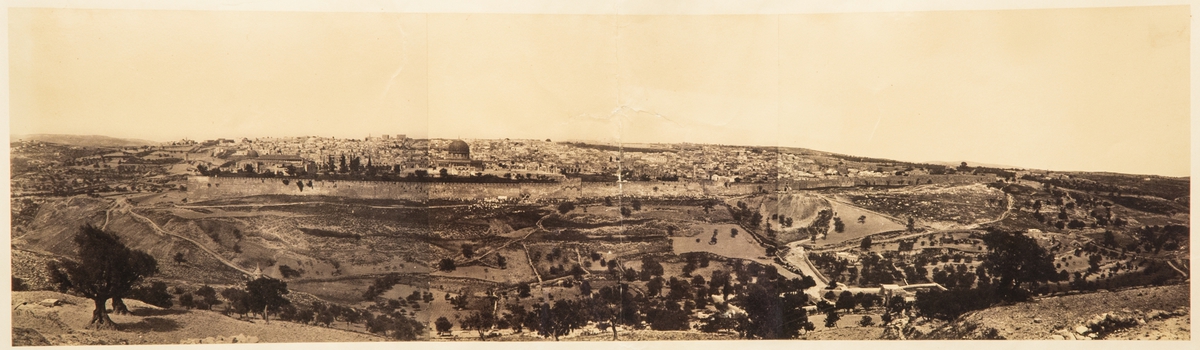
x,y
792,261
531,265
1008,209
157,229
506,244
1172,264
798,258
163,232
107,214
579,259
834,198
849,245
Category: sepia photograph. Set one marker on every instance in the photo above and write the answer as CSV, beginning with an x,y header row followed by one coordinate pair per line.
x,y
611,171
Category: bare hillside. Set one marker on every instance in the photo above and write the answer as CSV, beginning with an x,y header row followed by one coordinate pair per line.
x,y
1137,313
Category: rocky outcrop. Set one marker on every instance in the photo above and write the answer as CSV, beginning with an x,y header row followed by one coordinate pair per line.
x,y
1101,325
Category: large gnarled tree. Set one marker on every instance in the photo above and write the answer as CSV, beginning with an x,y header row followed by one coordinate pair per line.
x,y
1016,259
266,294
106,269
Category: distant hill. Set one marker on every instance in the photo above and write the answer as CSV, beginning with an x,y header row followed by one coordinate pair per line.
x,y
84,140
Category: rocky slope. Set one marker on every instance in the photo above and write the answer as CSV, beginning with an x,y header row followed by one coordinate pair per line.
x,y
1137,313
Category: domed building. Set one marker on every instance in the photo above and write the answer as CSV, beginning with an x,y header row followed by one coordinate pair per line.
x,y
458,158
458,150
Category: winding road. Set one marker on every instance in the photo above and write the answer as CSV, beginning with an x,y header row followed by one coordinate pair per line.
x,y
797,258
163,232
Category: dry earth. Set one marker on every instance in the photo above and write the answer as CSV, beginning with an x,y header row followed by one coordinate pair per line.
x,y
36,324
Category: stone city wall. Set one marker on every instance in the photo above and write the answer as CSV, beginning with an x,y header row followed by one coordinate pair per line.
x,y
206,188
923,180
475,191
599,190
816,183
736,188
650,189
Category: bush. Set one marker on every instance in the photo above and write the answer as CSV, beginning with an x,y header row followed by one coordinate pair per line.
x,y
565,207
831,318
381,285
443,325
187,300
208,296
948,305
288,271
154,294
447,265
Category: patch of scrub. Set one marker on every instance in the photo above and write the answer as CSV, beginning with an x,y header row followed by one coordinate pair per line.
x,y
872,224
742,246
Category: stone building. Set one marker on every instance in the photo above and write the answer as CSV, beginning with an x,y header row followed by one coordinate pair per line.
x,y
458,158
276,163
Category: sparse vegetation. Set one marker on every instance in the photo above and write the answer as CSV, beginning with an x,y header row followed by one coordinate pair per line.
x,y
653,261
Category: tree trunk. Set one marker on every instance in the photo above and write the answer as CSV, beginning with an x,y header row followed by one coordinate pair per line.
x,y
267,321
119,307
614,328
100,318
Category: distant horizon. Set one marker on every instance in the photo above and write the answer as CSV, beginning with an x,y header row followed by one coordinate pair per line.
x,y
971,163
1104,89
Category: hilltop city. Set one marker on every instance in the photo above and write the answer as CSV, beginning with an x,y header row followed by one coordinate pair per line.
x,y
388,238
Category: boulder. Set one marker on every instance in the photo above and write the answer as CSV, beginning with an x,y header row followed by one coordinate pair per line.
x,y
1081,330
50,302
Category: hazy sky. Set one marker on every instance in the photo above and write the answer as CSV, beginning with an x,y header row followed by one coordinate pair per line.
x,y
1077,89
